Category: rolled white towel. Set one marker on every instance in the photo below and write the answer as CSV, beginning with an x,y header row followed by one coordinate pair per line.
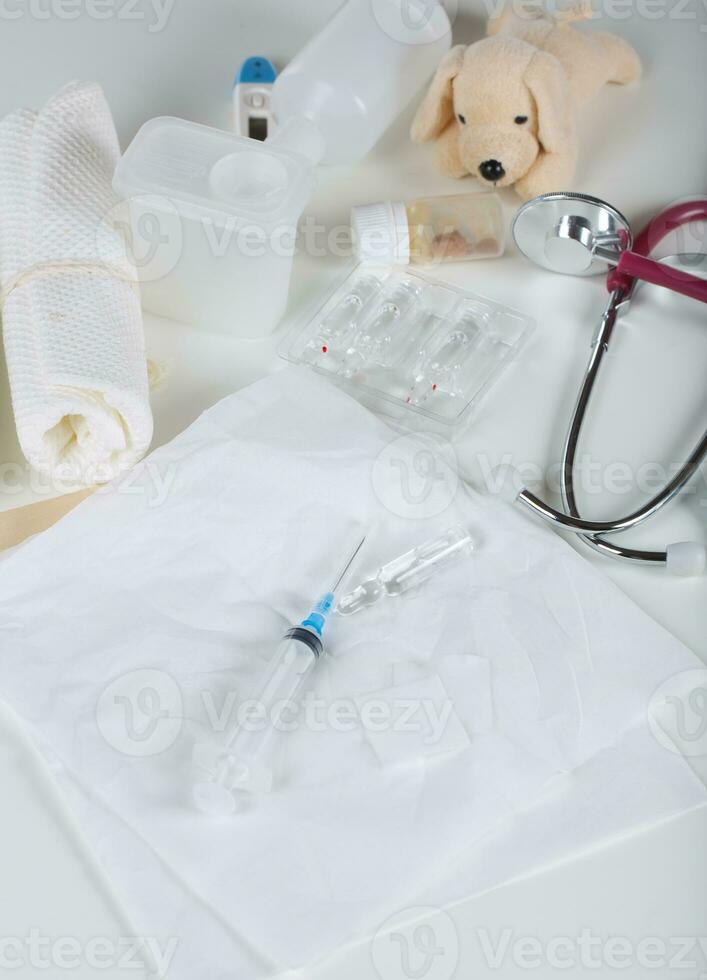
x,y
72,325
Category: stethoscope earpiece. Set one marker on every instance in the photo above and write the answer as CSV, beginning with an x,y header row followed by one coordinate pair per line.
x,y
685,558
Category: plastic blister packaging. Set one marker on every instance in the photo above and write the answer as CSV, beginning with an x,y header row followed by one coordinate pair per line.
x,y
335,329
462,361
377,338
414,348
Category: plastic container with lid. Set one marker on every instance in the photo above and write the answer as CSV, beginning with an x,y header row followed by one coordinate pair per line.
x,y
360,71
429,230
213,215
214,221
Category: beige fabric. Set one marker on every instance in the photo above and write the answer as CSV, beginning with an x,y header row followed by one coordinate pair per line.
x,y
22,522
533,66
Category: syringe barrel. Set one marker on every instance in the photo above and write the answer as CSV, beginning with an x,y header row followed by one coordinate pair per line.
x,y
242,764
276,693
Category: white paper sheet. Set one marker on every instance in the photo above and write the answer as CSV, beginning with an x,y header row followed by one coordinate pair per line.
x,y
138,622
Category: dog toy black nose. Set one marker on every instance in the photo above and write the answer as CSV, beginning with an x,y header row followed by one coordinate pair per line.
x,y
492,170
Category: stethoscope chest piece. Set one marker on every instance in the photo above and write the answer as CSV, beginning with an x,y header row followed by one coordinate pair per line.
x,y
571,233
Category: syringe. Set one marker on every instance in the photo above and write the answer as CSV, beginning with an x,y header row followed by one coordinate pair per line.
x,y
239,766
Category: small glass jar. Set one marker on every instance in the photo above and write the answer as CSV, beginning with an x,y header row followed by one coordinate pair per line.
x,y
429,230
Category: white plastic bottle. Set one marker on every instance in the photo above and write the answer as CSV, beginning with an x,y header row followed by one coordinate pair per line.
x,y
356,76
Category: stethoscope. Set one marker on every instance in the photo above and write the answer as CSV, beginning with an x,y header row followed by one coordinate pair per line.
x,y
579,235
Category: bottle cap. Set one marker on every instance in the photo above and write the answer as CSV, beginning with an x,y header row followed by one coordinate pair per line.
x,y
381,233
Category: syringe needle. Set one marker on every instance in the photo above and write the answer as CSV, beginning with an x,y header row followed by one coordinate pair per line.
x,y
348,564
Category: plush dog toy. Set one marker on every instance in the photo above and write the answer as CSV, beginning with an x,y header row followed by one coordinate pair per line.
x,y
501,108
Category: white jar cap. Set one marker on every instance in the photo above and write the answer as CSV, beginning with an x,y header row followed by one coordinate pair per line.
x,y
381,233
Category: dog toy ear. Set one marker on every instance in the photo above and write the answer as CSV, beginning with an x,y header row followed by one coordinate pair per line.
x,y
546,79
437,108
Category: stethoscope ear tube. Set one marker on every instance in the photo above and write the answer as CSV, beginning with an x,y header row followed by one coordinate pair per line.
x,y
681,558
648,270
635,263
578,234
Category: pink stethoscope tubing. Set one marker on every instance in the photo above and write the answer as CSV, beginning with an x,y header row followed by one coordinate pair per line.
x,y
635,263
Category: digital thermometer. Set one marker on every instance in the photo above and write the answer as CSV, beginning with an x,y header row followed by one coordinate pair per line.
x,y
251,98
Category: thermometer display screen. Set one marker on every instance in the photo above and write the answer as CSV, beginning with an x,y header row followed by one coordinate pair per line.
x,y
258,128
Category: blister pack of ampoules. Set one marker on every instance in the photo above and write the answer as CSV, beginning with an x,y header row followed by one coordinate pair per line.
x,y
408,345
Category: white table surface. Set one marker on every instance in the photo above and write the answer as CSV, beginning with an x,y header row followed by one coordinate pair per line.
x,y
642,148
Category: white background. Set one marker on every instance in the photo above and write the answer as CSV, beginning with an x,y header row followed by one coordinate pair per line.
x,y
643,148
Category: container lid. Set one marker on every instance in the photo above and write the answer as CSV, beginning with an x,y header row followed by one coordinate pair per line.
x,y
381,233
206,171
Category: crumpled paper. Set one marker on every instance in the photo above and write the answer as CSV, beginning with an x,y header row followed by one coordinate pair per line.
x,y
142,620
